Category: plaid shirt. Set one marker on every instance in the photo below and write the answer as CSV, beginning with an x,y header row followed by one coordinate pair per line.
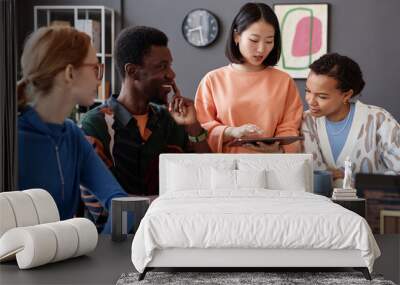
x,y
113,132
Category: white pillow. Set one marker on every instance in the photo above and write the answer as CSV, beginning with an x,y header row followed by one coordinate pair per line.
x,y
282,174
223,179
293,179
193,175
236,179
251,178
183,178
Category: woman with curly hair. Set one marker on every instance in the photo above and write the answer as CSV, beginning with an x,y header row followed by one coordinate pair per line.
x,y
338,126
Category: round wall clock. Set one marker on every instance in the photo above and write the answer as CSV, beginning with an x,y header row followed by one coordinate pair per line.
x,y
200,27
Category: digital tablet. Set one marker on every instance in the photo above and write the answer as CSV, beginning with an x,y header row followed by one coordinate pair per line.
x,y
268,140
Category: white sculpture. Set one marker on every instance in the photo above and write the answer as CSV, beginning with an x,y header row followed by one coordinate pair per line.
x,y
347,174
31,231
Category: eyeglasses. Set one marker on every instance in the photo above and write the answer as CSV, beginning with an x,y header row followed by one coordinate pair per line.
x,y
97,67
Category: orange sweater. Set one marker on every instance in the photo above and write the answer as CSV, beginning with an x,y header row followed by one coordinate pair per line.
x,y
268,98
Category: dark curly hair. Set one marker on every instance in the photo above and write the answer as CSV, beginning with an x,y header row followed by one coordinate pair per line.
x,y
247,15
342,68
133,43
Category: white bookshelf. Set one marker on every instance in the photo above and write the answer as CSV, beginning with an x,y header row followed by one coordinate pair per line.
x,y
45,15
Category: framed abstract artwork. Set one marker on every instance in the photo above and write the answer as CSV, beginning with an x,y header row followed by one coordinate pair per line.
x,y
304,34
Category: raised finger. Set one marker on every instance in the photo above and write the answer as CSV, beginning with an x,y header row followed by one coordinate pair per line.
x,y
180,105
174,104
176,89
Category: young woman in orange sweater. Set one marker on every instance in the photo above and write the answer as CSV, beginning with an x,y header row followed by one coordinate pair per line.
x,y
249,96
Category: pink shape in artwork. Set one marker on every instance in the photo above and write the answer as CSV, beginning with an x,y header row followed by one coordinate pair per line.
x,y
301,41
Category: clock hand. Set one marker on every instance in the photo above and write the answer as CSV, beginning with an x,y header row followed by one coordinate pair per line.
x,y
195,29
200,29
201,36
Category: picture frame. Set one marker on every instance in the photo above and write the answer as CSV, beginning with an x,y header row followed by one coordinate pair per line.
x,y
304,35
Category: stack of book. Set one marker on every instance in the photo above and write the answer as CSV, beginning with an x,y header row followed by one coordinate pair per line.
x,y
342,194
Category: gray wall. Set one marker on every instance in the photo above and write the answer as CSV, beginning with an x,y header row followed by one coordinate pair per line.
x,y
366,30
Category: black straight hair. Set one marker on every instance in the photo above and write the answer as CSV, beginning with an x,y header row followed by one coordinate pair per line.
x,y
247,15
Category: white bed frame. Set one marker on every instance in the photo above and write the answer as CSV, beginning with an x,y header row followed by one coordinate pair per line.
x,y
251,258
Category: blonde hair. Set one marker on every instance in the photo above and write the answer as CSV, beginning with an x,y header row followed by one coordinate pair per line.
x,y
48,51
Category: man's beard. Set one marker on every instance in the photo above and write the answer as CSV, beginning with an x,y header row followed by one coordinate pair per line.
x,y
158,98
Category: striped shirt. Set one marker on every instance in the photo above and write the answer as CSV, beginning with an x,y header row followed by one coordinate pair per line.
x,y
132,158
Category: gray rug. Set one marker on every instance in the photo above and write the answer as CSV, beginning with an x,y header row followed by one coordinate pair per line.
x,y
242,278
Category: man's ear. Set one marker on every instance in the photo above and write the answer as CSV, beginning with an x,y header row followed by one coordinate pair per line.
x,y
132,70
69,74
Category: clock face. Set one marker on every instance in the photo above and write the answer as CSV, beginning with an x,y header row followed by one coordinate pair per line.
x,y
200,28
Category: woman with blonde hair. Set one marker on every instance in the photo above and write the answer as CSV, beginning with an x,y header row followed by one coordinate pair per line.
x,y
60,69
